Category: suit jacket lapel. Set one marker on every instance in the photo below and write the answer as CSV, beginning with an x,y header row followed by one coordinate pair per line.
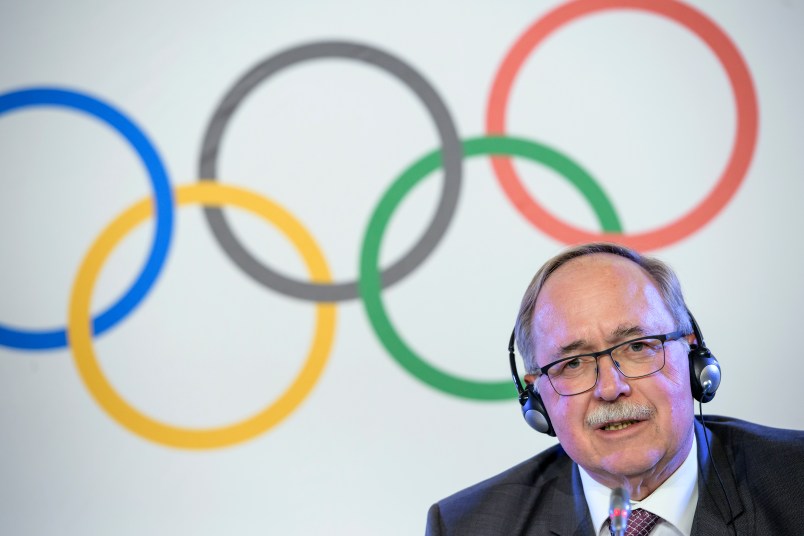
x,y
713,513
570,503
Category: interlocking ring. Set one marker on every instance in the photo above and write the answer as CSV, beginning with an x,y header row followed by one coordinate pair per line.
x,y
451,151
741,154
370,282
24,339
106,396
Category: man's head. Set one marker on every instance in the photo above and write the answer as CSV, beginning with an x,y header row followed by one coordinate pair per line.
x,y
663,276
591,298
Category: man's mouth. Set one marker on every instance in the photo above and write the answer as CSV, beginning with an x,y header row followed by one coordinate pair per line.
x,y
613,426
614,417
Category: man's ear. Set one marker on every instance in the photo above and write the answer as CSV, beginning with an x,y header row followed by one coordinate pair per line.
x,y
691,340
530,379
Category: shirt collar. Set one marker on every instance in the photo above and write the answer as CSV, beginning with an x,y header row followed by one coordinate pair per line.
x,y
674,500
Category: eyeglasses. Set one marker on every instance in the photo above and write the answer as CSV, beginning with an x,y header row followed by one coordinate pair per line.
x,y
636,358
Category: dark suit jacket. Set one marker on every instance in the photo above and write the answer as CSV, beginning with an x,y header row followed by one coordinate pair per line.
x,y
761,468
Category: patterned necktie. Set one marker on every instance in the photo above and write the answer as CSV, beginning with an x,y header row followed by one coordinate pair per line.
x,y
640,523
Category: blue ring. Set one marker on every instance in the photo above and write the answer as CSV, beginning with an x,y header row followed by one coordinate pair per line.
x,y
163,197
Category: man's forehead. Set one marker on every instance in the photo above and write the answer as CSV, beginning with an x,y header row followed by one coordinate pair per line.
x,y
591,271
605,290
567,346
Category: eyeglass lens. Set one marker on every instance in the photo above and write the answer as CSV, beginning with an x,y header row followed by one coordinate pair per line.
x,y
633,359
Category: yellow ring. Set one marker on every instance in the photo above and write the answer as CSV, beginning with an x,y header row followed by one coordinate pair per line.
x,y
80,337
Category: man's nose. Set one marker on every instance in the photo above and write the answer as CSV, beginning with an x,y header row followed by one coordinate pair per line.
x,y
610,382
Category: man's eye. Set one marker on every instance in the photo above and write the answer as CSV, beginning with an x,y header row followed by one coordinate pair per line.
x,y
643,348
565,368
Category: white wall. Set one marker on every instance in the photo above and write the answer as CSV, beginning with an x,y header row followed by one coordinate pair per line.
x,y
636,99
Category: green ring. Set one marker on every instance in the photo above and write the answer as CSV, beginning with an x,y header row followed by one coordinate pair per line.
x,y
370,280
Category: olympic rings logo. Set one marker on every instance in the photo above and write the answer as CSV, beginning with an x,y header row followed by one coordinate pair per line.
x,y
372,279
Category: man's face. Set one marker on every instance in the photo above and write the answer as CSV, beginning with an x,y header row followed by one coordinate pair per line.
x,y
592,303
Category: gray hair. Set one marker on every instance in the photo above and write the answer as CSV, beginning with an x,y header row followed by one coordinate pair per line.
x,y
664,277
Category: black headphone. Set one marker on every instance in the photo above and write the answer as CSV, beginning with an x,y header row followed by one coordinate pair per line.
x,y
704,381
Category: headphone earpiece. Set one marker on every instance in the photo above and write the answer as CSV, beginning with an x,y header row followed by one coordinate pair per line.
x,y
704,368
534,411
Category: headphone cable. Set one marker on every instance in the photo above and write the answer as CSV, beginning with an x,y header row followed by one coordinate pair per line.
x,y
717,473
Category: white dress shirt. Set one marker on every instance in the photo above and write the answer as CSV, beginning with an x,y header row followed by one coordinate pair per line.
x,y
674,501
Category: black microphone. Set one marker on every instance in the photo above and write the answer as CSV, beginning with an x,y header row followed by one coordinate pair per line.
x,y
619,510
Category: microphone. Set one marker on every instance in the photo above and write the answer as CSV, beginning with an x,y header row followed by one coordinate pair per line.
x,y
619,510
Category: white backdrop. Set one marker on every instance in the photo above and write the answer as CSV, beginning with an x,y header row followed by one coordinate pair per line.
x,y
633,97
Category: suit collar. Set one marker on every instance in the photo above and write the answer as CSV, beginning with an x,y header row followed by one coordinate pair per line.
x,y
714,512
576,520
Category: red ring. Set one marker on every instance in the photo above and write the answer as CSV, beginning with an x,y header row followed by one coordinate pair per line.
x,y
739,159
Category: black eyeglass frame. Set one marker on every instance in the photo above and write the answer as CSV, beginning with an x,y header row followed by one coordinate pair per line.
x,y
672,336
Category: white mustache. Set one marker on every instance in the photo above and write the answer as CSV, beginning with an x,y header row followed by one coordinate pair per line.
x,y
625,411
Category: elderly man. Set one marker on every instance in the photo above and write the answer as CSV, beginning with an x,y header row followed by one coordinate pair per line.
x,y
613,365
